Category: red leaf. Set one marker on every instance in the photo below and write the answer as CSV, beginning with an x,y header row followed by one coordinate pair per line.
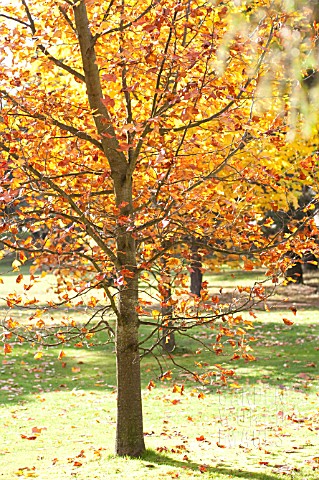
x,y
109,77
202,468
108,101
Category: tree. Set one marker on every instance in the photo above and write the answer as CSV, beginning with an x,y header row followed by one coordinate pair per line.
x,y
128,127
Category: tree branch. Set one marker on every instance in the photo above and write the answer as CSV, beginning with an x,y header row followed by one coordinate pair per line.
x,y
127,25
57,123
102,117
57,62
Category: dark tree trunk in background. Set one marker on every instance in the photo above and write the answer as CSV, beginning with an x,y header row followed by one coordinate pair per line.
x,y
168,337
310,262
294,273
196,272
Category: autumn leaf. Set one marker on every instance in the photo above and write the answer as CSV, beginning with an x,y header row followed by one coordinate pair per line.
x,y
109,77
151,385
220,445
287,322
61,355
38,430
248,264
203,468
7,348
25,437
108,101
16,264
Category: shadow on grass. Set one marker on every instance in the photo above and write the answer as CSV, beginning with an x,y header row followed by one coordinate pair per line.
x,y
156,458
285,357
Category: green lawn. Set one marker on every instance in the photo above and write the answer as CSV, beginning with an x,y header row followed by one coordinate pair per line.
x,y
57,417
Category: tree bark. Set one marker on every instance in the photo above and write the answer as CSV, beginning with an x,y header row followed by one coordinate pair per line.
x,y
196,272
129,431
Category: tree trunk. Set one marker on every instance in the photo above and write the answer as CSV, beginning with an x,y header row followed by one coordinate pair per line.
x,y
196,272
129,432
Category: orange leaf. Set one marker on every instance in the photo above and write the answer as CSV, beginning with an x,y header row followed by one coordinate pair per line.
x,y
248,265
151,385
202,468
287,322
7,348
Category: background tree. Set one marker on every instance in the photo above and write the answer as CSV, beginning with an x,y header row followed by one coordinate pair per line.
x,y
128,127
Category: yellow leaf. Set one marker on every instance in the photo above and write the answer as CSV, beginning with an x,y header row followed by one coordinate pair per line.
x,y
38,355
15,265
240,331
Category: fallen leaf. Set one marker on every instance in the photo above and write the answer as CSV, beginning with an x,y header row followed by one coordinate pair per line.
x,y
287,322
202,468
220,445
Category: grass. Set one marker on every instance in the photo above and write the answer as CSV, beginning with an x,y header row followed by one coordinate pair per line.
x,y
57,417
